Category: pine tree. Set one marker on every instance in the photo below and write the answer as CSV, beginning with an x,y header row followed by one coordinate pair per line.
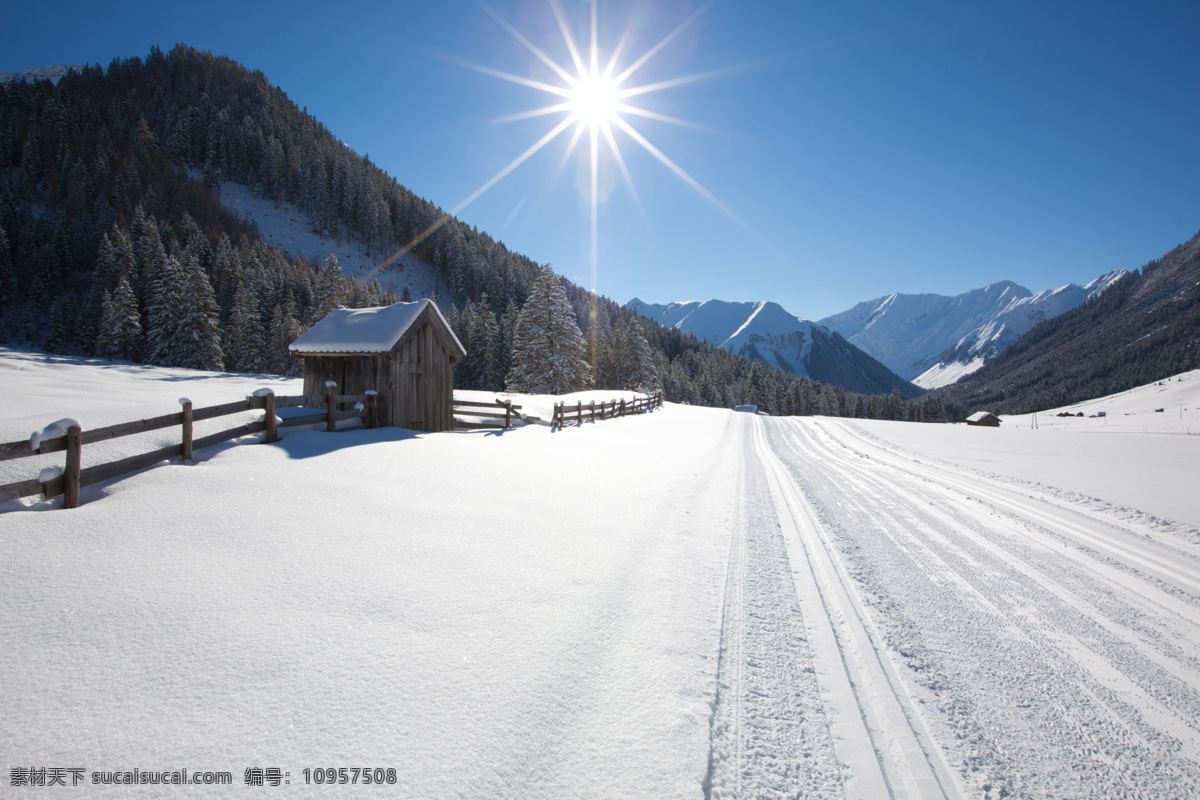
x,y
120,334
165,302
482,344
329,292
549,354
637,361
245,348
284,329
199,345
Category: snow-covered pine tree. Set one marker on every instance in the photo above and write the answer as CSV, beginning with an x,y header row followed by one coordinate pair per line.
x,y
199,343
120,325
166,287
284,329
549,355
483,335
330,290
632,360
245,347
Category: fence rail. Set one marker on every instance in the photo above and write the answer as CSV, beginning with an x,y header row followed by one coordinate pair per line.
x,y
495,415
74,476
606,410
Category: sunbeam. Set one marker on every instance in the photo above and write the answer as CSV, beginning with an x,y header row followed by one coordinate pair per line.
x,y
595,104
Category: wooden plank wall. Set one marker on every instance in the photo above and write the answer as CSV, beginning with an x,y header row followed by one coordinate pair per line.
x,y
416,380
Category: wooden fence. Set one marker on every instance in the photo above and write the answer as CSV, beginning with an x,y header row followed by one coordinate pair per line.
x,y
617,408
75,476
498,414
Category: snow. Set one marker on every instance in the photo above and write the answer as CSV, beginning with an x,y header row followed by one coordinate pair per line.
x,y
288,228
364,330
52,431
687,603
946,373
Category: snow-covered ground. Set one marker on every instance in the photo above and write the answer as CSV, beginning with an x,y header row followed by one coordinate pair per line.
x,y
687,603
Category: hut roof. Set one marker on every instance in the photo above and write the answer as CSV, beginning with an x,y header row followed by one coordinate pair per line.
x,y
978,416
371,330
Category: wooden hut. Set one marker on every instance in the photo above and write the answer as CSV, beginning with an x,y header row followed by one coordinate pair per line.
x,y
406,352
984,418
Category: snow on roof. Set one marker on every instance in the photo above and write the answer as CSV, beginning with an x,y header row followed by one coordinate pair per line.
x,y
365,330
978,415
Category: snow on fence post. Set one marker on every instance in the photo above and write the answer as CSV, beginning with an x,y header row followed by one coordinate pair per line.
x,y
330,406
507,413
74,461
187,428
372,408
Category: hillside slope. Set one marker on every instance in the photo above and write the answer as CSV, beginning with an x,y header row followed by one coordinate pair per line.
x,y
1143,328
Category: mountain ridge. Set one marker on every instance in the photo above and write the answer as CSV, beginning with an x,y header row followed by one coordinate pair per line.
x,y
934,339
767,332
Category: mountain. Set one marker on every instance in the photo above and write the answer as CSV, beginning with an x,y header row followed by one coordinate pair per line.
x,y
934,340
767,332
1143,328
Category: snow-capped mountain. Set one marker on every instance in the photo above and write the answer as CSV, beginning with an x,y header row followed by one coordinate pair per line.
x,y
768,332
933,340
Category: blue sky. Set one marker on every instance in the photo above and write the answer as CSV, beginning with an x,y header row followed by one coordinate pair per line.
x,y
855,148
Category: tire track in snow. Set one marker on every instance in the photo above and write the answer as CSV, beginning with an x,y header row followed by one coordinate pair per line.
x,y
850,658
1035,656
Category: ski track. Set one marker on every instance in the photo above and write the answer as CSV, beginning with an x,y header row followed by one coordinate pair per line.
x,y
894,628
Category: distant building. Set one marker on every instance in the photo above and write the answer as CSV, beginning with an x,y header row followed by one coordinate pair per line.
x,y
406,352
984,418
747,409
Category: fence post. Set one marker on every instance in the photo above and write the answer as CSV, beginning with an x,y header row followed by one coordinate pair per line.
x,y
507,413
187,430
622,406
579,412
372,408
592,405
269,414
74,461
330,406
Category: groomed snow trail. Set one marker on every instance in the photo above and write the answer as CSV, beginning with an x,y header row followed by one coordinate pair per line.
x,y
945,635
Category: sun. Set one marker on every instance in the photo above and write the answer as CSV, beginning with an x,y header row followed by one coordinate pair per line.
x,y
595,100
593,97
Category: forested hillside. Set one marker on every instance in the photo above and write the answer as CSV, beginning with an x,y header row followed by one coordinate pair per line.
x,y
1141,329
113,242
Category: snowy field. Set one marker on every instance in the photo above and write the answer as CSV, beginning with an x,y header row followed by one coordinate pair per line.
x,y
687,603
